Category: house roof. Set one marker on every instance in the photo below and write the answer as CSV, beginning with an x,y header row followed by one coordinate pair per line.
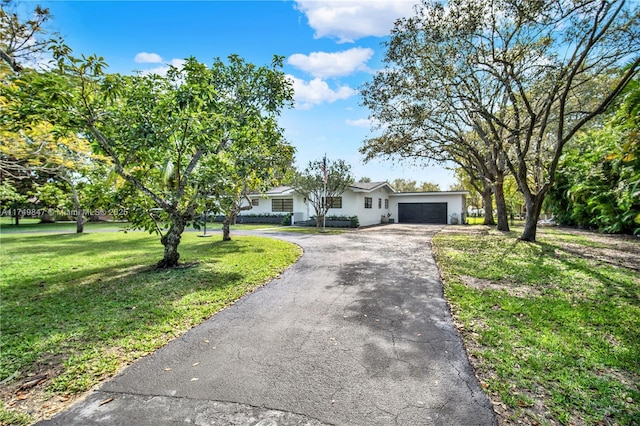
x,y
365,187
399,194
279,190
356,187
370,186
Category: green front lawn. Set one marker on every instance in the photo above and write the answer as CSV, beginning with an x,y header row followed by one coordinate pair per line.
x,y
75,308
552,328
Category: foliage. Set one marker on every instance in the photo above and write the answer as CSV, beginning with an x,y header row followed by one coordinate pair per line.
x,y
598,182
310,183
286,220
354,221
408,185
250,169
86,305
504,85
34,156
552,328
169,137
9,194
22,42
280,215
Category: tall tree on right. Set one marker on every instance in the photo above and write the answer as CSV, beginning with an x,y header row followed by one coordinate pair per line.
x,y
524,76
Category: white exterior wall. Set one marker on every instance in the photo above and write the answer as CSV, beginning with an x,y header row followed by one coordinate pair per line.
x,y
373,215
456,203
264,207
353,204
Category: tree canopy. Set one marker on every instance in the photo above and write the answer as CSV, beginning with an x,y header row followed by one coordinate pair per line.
x,y
598,180
408,185
504,83
22,40
311,183
165,135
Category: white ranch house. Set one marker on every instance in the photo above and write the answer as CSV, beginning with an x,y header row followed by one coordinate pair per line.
x,y
369,201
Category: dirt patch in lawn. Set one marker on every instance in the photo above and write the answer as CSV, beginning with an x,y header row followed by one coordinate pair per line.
x,y
511,288
616,250
598,250
28,394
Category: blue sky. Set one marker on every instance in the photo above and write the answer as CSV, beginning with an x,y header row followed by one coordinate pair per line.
x,y
331,49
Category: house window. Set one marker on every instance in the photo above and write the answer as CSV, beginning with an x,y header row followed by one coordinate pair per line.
x,y
282,205
334,202
386,203
368,202
379,203
255,202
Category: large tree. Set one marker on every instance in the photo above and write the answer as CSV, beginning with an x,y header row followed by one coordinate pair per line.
x,y
237,173
524,76
422,110
34,152
159,131
22,40
321,182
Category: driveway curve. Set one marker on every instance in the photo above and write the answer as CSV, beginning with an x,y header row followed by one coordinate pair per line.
x,y
357,332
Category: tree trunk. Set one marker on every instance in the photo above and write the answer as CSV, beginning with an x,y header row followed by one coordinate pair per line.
x,y
319,220
76,203
79,223
501,204
170,241
15,214
534,207
487,202
226,230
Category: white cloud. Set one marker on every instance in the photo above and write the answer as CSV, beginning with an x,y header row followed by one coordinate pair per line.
x,y
349,20
323,64
316,92
178,63
162,69
148,58
360,122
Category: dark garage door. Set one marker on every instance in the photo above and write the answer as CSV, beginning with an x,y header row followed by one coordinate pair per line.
x,y
422,213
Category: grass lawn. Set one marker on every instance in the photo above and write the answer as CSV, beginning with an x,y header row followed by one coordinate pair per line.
x,y
76,308
552,328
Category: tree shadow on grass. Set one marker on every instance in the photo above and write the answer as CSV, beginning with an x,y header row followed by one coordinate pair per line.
x,y
574,261
130,306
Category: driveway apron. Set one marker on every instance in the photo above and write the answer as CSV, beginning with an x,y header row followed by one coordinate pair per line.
x,y
356,333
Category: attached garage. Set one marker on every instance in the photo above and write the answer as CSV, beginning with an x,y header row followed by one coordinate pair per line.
x,y
422,213
444,207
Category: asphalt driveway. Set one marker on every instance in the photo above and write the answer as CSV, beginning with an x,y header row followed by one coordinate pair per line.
x,y
356,333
